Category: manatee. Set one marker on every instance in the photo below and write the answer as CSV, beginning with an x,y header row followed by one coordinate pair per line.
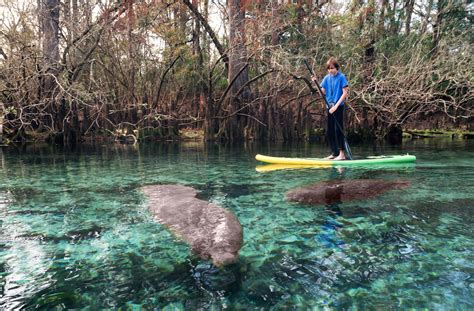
x,y
337,191
211,231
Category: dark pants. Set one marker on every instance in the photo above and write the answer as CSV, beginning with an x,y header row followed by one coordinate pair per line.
x,y
335,135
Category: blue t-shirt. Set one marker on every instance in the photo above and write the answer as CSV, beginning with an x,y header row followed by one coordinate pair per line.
x,y
333,86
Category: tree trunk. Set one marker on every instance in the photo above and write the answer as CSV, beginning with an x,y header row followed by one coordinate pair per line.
x,y
409,5
381,26
67,18
393,18
199,95
209,30
369,59
437,27
50,31
238,52
2,109
75,19
233,128
426,19
39,4
131,56
50,28
86,11
205,62
206,98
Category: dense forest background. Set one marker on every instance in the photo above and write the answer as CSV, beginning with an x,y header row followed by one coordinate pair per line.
x,y
147,69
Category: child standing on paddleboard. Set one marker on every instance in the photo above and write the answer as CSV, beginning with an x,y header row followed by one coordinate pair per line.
x,y
336,89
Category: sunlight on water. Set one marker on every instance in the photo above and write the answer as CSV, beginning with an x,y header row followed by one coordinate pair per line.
x,y
76,231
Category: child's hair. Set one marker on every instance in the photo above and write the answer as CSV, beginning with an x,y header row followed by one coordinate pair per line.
x,y
332,62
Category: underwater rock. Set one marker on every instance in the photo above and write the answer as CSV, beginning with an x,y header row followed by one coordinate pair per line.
x,y
212,231
337,191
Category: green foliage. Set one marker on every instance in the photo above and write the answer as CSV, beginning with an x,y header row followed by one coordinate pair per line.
x,y
458,20
10,111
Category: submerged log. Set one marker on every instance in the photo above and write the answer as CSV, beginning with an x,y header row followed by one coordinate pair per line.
x,y
211,231
338,191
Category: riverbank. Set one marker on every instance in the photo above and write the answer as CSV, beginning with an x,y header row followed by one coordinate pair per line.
x,y
191,134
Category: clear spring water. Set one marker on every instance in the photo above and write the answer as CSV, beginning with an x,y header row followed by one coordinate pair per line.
x,y
75,231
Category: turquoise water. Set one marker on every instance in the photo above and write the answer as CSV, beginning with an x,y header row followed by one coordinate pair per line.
x,y
76,232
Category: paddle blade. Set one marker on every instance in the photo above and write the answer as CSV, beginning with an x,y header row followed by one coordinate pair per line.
x,y
348,149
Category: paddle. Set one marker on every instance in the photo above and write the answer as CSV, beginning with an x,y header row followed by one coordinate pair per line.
x,y
346,144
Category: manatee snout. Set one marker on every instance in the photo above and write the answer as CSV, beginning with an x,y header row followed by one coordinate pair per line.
x,y
220,259
226,251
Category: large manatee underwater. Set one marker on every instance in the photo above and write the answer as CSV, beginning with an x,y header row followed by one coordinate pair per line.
x,y
337,191
211,231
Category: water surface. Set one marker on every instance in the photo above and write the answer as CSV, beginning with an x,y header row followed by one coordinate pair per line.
x,y
76,232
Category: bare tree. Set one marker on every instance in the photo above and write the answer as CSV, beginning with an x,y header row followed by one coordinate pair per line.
x,y
50,36
409,6
139,69
232,128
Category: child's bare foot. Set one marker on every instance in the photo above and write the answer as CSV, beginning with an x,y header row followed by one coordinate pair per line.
x,y
340,158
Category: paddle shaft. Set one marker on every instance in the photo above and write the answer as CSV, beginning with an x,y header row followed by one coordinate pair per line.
x,y
346,144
